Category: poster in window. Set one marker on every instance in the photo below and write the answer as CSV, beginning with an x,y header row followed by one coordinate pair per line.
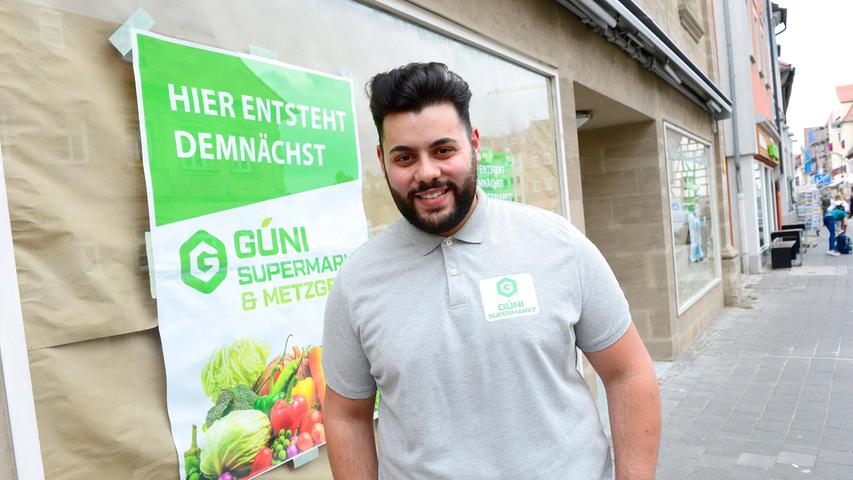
x,y
254,196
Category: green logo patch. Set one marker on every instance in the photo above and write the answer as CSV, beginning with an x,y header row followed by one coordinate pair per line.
x,y
204,262
507,287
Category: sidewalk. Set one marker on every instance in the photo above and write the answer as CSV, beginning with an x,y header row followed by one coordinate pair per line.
x,y
767,391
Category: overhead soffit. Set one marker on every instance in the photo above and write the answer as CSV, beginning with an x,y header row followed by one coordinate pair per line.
x,y
606,112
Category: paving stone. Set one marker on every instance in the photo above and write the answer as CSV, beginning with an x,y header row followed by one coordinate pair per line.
x,y
762,448
803,437
789,472
772,426
748,473
831,471
676,464
665,474
768,437
727,446
702,473
831,456
768,387
685,450
809,425
764,462
718,462
794,458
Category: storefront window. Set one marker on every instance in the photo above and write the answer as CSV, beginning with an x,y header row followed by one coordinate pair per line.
x,y
759,202
693,213
763,203
69,128
770,195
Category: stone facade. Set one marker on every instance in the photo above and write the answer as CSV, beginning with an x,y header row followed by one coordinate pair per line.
x,y
617,190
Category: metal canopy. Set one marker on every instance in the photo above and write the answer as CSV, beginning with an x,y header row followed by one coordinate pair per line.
x,y
625,24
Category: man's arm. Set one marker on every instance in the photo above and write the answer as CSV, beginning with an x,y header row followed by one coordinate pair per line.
x,y
633,401
349,436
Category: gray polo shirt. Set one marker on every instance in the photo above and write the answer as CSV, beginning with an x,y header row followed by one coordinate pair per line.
x,y
471,341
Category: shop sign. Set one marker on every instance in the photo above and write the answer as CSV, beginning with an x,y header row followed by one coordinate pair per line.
x,y
772,151
254,196
822,179
767,149
494,174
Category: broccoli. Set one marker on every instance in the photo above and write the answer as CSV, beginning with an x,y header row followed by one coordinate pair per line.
x,y
239,397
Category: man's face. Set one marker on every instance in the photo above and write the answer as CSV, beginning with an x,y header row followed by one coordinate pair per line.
x,y
430,163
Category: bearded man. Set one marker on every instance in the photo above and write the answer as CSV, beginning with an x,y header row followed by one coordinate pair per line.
x,y
467,314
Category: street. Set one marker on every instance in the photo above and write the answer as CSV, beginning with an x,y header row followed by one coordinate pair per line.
x,y
767,391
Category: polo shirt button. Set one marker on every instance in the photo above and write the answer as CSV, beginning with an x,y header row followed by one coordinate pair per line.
x,y
454,272
448,242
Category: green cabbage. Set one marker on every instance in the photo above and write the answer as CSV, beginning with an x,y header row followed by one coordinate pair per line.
x,y
240,363
231,443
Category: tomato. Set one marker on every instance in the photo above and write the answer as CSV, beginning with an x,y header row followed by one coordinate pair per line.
x,y
305,442
318,433
312,417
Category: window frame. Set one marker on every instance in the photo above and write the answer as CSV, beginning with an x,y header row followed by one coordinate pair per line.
x,y
712,172
442,26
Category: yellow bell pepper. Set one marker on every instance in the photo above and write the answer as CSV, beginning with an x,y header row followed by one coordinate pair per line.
x,y
307,390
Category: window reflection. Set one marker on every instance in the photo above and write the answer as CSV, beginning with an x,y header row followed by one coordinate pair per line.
x,y
693,213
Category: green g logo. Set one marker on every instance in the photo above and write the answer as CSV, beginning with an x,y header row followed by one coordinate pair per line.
x,y
203,262
507,287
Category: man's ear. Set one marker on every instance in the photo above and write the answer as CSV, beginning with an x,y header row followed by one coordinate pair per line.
x,y
475,143
381,157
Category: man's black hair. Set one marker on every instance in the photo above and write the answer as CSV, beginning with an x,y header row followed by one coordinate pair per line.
x,y
415,86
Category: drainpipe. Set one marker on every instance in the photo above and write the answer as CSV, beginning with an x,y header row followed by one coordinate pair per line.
x,y
735,132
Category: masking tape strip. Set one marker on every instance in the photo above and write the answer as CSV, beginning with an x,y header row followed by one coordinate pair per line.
x,y
121,39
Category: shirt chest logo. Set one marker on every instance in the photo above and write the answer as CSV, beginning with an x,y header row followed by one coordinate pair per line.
x,y
508,296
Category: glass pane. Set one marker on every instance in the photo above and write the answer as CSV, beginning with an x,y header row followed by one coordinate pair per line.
x,y
760,203
511,105
769,194
70,134
693,213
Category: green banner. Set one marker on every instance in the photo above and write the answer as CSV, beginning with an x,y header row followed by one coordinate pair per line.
x,y
254,193
216,142
494,174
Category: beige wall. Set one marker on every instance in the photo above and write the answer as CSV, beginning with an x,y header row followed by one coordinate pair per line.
x,y
623,172
620,170
130,366
672,17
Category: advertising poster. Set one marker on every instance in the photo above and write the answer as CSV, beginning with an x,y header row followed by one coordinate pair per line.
x,y
254,195
494,174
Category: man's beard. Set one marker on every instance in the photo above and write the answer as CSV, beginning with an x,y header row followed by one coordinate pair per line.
x,y
463,198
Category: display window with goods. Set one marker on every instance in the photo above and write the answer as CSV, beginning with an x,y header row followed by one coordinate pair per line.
x,y
693,213
255,173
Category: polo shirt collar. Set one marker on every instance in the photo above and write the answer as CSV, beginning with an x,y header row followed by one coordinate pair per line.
x,y
474,230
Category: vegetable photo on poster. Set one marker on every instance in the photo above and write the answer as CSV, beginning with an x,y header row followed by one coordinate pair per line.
x,y
263,413
254,193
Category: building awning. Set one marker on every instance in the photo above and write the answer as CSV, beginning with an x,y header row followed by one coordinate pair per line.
x,y
625,24
786,75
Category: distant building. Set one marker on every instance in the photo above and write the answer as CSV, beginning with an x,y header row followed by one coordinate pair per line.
x,y
840,139
758,146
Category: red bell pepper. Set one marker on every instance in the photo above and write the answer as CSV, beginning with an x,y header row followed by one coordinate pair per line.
x,y
286,416
263,460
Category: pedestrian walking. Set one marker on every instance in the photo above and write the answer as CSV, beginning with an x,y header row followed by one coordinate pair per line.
x,y
466,314
834,214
